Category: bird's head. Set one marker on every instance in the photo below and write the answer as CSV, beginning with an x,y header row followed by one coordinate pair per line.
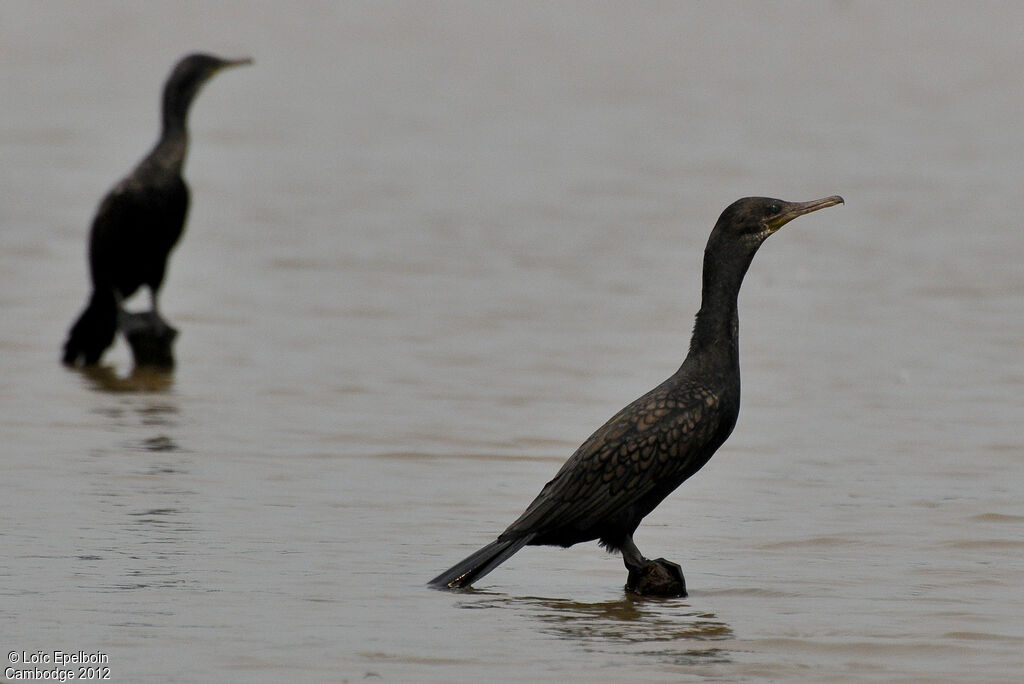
x,y
752,219
744,226
189,75
747,222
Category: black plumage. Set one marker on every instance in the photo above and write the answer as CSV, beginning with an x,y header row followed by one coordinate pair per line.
x,y
629,465
141,219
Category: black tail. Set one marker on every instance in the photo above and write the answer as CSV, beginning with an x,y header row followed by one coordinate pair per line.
x,y
478,564
94,330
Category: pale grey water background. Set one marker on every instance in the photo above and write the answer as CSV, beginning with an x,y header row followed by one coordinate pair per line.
x,y
432,247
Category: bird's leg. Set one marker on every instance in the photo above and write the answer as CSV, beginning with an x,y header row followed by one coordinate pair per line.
x,y
631,555
123,318
154,309
158,323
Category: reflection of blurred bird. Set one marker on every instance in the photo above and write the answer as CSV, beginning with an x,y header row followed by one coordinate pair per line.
x,y
141,218
626,468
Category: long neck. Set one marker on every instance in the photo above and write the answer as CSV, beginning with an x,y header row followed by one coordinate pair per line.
x,y
172,147
716,332
170,152
176,103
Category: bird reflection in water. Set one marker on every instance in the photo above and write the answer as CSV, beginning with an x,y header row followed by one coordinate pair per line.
x,y
141,379
668,629
153,408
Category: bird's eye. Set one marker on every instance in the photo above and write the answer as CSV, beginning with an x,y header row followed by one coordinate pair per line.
x,y
774,209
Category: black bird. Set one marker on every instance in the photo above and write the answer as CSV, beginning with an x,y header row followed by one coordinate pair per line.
x,y
626,468
141,219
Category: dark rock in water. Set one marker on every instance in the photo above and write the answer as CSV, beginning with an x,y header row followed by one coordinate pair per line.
x,y
150,337
658,577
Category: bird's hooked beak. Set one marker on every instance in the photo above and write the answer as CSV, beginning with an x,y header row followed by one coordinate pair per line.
x,y
228,63
791,210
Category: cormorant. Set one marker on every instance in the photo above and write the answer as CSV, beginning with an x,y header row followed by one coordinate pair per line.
x,y
626,468
141,219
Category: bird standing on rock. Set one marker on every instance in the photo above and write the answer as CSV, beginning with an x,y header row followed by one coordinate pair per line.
x,y
141,219
636,459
